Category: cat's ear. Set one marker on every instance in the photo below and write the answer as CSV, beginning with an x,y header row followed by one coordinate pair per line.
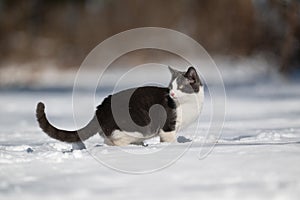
x,y
173,71
192,75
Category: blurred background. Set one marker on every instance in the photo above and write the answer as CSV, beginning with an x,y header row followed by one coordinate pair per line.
x,y
256,46
58,34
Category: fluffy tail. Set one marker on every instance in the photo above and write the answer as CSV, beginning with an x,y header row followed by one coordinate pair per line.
x,y
63,135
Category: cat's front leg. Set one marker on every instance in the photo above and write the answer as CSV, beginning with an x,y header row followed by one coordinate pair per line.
x,y
167,136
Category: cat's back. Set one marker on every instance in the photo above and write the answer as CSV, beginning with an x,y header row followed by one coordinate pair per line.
x,y
137,97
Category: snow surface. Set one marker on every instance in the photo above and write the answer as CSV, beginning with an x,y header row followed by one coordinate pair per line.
x,y
256,157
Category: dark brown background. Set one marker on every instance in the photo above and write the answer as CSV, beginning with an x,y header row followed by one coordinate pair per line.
x,y
65,31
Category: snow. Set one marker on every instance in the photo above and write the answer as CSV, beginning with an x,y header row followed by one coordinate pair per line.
x,y
256,157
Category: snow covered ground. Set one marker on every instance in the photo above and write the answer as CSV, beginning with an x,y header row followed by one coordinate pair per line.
x,y
256,157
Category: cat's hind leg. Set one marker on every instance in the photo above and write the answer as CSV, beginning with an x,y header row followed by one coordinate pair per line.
x,y
167,136
123,138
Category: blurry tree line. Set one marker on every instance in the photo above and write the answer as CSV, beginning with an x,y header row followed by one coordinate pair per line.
x,y
64,31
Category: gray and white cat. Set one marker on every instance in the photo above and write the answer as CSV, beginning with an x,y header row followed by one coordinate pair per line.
x,y
134,115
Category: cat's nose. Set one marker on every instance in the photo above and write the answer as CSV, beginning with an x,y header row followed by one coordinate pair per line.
x,y
172,94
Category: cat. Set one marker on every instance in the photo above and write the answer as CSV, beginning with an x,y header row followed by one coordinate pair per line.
x,y
134,115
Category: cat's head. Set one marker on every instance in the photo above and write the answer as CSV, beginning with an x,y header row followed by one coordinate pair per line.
x,y
183,83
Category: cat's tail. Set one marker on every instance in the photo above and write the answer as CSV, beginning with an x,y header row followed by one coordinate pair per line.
x,y
63,135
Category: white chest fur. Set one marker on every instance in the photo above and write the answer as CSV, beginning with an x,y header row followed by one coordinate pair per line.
x,y
189,107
